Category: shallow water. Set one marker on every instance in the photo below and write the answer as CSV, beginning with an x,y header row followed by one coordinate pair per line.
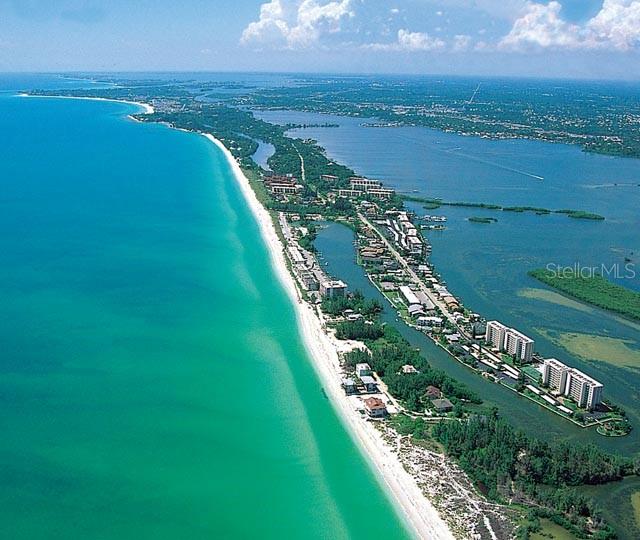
x,y
153,383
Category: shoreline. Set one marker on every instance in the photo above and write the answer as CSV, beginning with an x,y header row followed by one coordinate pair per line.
x,y
420,517
418,513
147,109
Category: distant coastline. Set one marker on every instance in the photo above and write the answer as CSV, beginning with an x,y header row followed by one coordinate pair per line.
x,y
147,109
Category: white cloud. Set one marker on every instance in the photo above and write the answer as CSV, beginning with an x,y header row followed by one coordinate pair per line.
x,y
541,25
418,41
615,27
461,43
409,42
296,23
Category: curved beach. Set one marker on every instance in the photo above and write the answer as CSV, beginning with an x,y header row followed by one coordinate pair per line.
x,y
418,512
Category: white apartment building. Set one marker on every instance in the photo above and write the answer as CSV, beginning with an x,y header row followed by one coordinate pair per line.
x,y
408,295
333,288
364,183
554,374
509,340
495,334
518,345
584,390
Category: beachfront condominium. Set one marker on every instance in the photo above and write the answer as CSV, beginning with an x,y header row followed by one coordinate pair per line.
x,y
365,184
333,288
584,390
510,341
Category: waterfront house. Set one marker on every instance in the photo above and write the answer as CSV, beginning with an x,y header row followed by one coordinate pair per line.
x,y
363,369
442,405
349,386
375,407
370,384
415,310
408,368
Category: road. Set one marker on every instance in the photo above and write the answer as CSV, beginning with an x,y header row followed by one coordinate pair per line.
x,y
401,260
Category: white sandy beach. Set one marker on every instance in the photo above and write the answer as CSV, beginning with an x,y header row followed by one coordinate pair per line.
x,y
148,109
418,512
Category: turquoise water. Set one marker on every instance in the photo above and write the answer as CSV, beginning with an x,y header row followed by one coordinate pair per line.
x,y
153,383
486,265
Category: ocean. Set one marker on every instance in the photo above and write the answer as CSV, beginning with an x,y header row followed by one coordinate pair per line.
x,y
153,382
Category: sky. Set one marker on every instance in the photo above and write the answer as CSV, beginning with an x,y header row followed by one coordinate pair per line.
x,y
540,38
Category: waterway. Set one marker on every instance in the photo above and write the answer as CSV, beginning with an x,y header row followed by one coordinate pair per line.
x,y
486,265
335,244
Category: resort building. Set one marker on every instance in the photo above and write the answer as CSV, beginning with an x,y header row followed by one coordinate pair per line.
x,y
375,407
509,340
381,193
284,189
329,178
350,193
495,334
584,390
333,288
364,184
518,345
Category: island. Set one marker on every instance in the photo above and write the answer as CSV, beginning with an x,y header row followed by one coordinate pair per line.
x,y
592,288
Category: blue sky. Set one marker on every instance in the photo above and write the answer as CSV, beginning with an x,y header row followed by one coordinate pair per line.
x,y
558,38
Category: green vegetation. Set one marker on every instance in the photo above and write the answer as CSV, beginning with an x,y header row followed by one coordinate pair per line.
x,y
360,330
476,219
614,428
522,109
387,357
503,462
306,241
534,209
512,466
431,204
580,214
356,302
595,290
